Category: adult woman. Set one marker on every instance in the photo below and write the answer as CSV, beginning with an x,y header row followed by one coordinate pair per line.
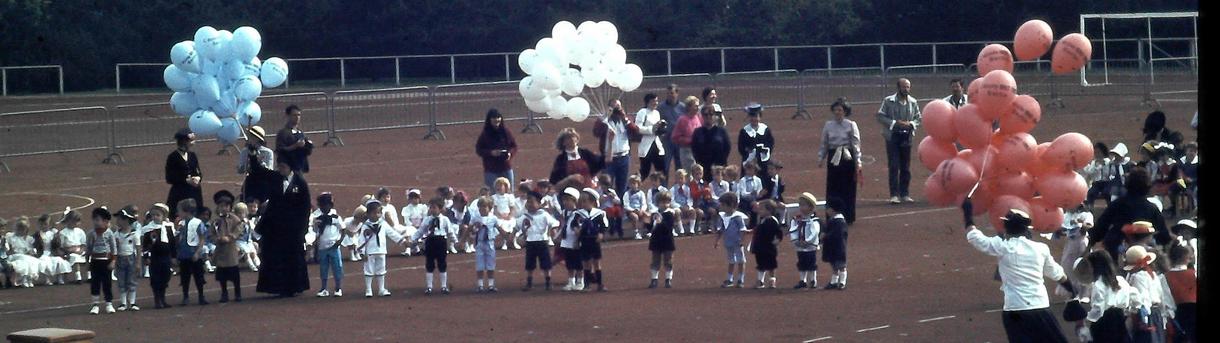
x,y
614,143
574,160
755,142
651,149
496,147
709,100
710,143
1128,208
182,172
841,147
684,131
282,228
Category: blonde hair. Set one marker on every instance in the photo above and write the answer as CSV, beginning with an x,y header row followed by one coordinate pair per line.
x,y
731,172
365,199
485,202
503,181
664,197
682,174
359,214
718,170
241,209
633,178
567,132
696,168
691,101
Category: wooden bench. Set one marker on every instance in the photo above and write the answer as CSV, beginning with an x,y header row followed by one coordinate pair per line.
x,y
51,335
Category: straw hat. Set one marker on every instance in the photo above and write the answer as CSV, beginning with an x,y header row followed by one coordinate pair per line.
x,y
1138,228
257,132
1137,257
1119,149
572,192
808,198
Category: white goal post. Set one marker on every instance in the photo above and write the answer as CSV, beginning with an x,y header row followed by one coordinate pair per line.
x,y
1147,51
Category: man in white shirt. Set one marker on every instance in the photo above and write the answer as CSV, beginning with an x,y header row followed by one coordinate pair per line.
x,y
1022,265
958,97
616,144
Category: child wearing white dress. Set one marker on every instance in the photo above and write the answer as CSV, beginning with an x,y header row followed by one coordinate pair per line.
x,y
22,253
390,215
72,241
50,246
413,214
505,209
375,235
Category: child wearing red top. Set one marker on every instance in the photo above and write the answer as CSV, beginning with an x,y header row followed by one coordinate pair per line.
x,y
701,195
1182,285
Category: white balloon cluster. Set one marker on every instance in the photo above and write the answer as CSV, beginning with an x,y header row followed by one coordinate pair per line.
x,y
553,68
216,79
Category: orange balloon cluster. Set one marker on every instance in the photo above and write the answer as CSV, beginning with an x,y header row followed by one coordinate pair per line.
x,y
1007,168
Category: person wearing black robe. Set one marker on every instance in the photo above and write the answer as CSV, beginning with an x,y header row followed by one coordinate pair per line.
x,y
755,141
282,228
1128,208
182,172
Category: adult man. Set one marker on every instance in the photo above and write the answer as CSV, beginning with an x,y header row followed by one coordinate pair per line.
x,y
899,116
958,96
1022,265
671,109
291,143
283,228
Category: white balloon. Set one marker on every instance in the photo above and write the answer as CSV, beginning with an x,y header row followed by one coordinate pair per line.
x,y
576,50
586,27
551,93
573,83
563,31
527,60
529,89
558,103
176,79
553,51
226,107
206,41
593,75
247,88
590,59
630,77
542,105
206,89
577,109
246,43
204,123
615,57
274,72
547,76
184,56
225,51
249,113
612,77
229,131
183,103
609,32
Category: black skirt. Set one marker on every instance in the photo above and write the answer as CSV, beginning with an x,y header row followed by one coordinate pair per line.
x,y
841,183
1033,326
1111,327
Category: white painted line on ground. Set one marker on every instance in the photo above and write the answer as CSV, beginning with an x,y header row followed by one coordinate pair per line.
x,y
993,311
936,319
872,329
911,212
818,339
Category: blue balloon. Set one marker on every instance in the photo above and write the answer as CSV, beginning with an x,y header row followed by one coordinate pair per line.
x,y
204,123
229,131
183,103
247,88
249,113
206,89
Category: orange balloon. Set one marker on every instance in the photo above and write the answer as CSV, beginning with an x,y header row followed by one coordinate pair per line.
x,y
1070,151
982,199
1015,150
972,91
1047,218
1038,165
976,159
1071,53
973,131
1022,116
1002,205
1020,185
994,57
1062,188
938,120
996,94
1033,39
956,176
936,194
933,151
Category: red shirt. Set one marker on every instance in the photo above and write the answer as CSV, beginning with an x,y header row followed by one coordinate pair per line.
x,y
1183,285
684,131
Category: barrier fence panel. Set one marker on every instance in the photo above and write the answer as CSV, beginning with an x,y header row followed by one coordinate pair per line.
x,y
773,89
377,109
931,80
823,86
468,104
53,131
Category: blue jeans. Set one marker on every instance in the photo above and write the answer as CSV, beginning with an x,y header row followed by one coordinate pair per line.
x,y
672,155
899,158
618,168
329,259
489,179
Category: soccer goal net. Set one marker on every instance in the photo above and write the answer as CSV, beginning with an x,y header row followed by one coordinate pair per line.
x,y
1141,49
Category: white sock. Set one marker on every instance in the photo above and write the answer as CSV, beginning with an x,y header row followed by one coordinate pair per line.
x,y
669,274
381,282
479,282
444,279
843,277
123,298
654,273
813,278
96,300
491,282
572,281
368,284
804,275
428,278
730,277
762,276
131,298
834,278
78,278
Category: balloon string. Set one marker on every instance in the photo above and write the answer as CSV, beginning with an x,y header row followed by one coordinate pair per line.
x,y
986,154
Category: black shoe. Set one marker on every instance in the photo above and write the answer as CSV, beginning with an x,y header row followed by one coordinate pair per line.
x,y
492,289
726,284
669,283
428,291
832,286
444,290
224,298
202,301
652,284
800,285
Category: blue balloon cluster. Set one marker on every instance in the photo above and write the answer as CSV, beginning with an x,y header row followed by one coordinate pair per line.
x,y
217,78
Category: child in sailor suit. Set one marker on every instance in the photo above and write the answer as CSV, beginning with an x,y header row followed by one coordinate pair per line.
x,y
375,235
436,231
804,231
484,231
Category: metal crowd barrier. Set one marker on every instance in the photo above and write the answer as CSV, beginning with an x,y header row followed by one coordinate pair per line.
x,y
64,130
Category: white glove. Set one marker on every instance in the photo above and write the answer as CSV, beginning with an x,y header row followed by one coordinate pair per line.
x,y
1083,334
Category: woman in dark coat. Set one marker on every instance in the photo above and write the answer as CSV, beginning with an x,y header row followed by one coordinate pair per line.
x,y
710,143
1131,207
182,172
574,160
755,141
496,147
282,227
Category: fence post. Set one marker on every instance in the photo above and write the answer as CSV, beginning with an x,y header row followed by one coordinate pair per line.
x,y
332,135
342,74
118,88
775,53
112,156
434,132
830,66
4,80
508,71
934,59
884,73
61,79
800,97
669,62
452,71
397,74
721,61
531,126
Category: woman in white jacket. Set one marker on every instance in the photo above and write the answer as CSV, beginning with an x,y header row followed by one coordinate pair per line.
x,y
651,127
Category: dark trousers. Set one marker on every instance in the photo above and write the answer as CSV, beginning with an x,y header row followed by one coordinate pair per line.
x,y
653,161
435,250
841,183
618,168
1033,326
159,274
227,275
99,284
899,157
1111,327
671,155
1186,316
188,269
1098,190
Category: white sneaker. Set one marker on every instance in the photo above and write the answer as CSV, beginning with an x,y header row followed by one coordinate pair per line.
x,y
504,246
109,308
133,307
323,294
569,287
550,243
121,308
638,237
453,250
146,274
368,293
516,246
385,292
895,200
908,199
469,249
338,293
94,310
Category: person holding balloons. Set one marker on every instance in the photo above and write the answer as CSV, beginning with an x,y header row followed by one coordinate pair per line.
x,y
899,116
182,171
841,147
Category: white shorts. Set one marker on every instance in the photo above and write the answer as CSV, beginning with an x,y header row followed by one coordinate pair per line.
x,y
506,225
736,254
374,265
246,247
76,258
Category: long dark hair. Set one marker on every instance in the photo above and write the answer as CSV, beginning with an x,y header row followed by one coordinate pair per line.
x,y
1103,268
488,128
1153,124
1138,182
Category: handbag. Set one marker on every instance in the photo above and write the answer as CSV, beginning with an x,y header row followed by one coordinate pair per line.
x,y
1074,311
